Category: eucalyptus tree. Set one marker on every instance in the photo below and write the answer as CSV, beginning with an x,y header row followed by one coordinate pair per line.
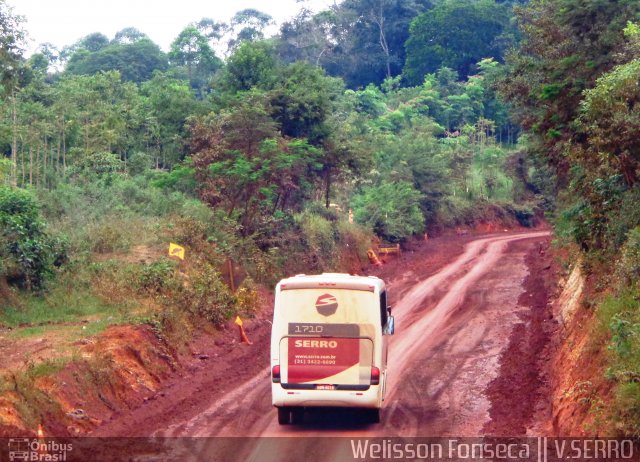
x,y
12,37
192,52
247,25
359,40
129,35
308,37
131,53
167,103
97,113
252,64
380,30
455,34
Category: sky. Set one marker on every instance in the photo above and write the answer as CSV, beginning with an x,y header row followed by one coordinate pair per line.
x,y
63,22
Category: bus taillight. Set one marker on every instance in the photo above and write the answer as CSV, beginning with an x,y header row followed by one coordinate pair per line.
x,y
375,376
275,374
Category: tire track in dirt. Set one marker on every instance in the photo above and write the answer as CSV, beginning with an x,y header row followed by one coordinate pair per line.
x,y
446,357
421,329
452,328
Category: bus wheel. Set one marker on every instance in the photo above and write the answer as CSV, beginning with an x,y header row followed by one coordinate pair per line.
x,y
297,416
284,415
373,415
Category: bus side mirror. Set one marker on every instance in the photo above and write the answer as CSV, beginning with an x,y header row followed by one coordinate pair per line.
x,y
390,327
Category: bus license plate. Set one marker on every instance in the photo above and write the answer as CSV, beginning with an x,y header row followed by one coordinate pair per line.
x,y
325,387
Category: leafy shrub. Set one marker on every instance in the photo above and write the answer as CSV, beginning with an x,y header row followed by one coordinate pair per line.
x,y
621,221
139,163
188,231
158,276
206,296
246,298
27,253
180,178
106,237
391,209
619,312
99,163
627,406
628,268
318,236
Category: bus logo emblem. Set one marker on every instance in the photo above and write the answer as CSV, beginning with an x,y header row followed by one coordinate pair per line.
x,y
326,304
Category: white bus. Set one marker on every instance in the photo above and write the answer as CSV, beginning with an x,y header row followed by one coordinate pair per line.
x,y
329,344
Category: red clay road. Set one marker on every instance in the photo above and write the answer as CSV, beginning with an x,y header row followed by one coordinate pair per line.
x,y
450,331
451,328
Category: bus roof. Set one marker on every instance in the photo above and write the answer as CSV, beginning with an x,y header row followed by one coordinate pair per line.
x,y
332,280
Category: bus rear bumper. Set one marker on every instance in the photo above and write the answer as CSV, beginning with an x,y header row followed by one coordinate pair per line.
x,y
368,399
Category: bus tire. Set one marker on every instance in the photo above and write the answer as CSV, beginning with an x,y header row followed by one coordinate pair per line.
x,y
284,415
297,416
373,415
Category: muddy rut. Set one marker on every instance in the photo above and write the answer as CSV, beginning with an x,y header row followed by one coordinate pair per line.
x,y
451,328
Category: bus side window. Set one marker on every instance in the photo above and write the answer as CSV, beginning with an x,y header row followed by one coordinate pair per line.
x,y
383,309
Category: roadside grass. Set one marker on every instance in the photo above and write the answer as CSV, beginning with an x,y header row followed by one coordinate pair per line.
x,y
49,366
619,316
66,332
34,402
59,308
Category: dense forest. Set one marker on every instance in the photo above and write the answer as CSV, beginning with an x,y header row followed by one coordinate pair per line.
x,y
417,115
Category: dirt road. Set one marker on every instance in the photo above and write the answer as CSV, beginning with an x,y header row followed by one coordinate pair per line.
x,y
452,326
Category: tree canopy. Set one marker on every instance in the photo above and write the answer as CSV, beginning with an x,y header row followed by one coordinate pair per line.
x,y
455,34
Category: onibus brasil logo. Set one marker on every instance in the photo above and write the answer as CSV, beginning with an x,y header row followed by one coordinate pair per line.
x,y
35,450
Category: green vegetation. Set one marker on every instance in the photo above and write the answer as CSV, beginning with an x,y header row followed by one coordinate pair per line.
x,y
574,83
27,253
456,34
416,115
112,148
124,149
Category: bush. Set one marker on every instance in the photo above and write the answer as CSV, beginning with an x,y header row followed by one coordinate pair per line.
x,y
391,209
158,276
206,296
27,253
318,236
619,312
96,164
139,163
628,267
523,213
627,405
107,237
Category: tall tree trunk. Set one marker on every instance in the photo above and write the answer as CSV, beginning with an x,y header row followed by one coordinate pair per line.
x,y
38,163
58,149
30,165
45,160
379,20
327,186
64,148
14,141
23,164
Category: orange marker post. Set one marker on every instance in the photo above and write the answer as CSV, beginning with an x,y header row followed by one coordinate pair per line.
x,y
243,335
42,445
373,258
